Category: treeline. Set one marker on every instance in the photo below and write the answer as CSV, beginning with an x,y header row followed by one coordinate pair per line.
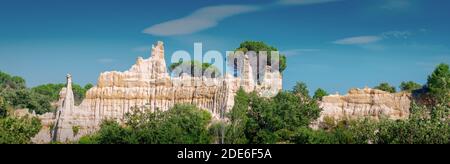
x,y
15,95
182,124
39,99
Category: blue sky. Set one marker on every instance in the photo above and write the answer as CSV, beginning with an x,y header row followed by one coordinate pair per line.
x,y
332,44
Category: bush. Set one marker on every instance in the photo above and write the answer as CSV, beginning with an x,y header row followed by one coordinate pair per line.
x,y
259,120
319,94
439,83
386,87
183,124
18,130
410,86
258,46
3,108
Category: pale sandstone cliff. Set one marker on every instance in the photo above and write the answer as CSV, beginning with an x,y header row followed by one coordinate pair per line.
x,y
148,84
366,103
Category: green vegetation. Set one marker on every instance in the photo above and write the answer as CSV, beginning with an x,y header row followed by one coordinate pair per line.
x,y
52,91
75,130
319,94
15,94
15,130
386,87
3,108
301,90
258,120
410,86
419,129
13,82
439,83
207,69
258,46
182,124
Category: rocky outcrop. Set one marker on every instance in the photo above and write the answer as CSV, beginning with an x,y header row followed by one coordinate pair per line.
x,y
366,103
148,84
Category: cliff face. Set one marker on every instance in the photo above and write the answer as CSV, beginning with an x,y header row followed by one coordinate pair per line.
x,y
148,84
366,103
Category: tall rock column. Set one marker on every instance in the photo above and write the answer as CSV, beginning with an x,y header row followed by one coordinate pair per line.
x,y
69,101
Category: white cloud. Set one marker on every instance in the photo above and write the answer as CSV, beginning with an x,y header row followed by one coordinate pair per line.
x,y
304,2
106,60
358,40
199,20
294,52
397,34
209,17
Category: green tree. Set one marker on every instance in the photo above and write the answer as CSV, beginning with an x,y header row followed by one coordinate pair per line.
x,y
235,132
319,94
3,108
88,86
14,82
301,89
25,98
185,124
52,91
18,130
386,87
409,86
258,46
182,124
439,83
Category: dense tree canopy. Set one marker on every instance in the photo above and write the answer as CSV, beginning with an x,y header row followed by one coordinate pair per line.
x,y
439,83
319,94
15,130
52,91
15,94
185,124
258,46
3,108
14,82
301,89
255,119
235,132
410,86
386,87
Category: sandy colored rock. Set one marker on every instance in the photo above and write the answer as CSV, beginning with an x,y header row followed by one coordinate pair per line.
x,y
148,84
366,103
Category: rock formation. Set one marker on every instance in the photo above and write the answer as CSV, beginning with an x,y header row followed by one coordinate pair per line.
x,y
148,84
366,103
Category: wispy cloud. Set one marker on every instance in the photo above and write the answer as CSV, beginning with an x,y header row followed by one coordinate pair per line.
x,y
370,39
397,34
208,17
106,60
358,40
294,52
199,20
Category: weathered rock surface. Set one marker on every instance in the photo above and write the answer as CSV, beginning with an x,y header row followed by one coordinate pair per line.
x,y
366,103
147,84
